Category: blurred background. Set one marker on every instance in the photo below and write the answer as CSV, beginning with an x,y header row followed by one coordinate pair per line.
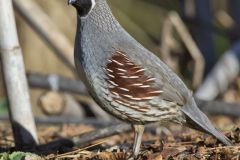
x,y
191,36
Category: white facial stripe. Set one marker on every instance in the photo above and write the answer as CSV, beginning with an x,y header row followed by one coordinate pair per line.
x,y
93,4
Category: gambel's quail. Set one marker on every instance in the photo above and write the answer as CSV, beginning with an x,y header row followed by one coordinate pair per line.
x,y
126,79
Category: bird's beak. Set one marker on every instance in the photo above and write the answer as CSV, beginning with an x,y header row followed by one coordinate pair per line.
x,y
70,2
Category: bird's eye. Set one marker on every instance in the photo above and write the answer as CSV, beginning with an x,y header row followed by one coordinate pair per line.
x,y
84,7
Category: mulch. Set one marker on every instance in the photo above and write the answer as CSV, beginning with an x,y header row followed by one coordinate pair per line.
x,y
170,142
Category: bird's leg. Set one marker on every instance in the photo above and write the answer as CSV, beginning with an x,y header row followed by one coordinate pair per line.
x,y
138,132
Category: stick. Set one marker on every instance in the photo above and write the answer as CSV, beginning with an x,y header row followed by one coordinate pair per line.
x,y
219,108
23,125
225,19
191,46
47,30
165,39
58,120
36,80
87,138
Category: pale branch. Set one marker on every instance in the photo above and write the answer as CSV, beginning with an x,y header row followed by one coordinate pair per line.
x,y
196,54
21,115
86,138
36,80
219,108
58,120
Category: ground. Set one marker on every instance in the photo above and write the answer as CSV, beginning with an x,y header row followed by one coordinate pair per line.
x,y
170,142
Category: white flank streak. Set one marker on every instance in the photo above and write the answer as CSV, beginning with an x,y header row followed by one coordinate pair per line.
x,y
112,83
124,89
145,86
134,77
136,99
120,102
140,70
123,70
157,91
128,96
151,79
135,107
115,93
109,70
118,62
147,98
123,76
129,63
112,76
136,67
109,61
122,54
137,84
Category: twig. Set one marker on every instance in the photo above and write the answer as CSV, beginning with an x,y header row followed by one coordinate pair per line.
x,y
219,108
48,31
87,138
58,120
36,80
177,23
165,42
225,19
14,73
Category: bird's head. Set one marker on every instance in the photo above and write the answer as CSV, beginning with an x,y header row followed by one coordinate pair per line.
x,y
83,7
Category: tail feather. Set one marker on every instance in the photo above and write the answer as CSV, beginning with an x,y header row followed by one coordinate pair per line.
x,y
198,120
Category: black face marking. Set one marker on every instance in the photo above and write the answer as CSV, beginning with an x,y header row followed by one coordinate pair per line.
x,y
83,7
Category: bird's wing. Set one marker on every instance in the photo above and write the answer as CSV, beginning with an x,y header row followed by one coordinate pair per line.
x,y
134,89
155,96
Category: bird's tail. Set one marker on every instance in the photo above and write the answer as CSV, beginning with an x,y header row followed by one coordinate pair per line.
x,y
198,120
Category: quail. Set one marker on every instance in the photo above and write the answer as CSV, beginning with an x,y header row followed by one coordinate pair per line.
x,y
126,79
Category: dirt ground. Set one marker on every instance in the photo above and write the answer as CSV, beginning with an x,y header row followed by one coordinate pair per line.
x,y
171,142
